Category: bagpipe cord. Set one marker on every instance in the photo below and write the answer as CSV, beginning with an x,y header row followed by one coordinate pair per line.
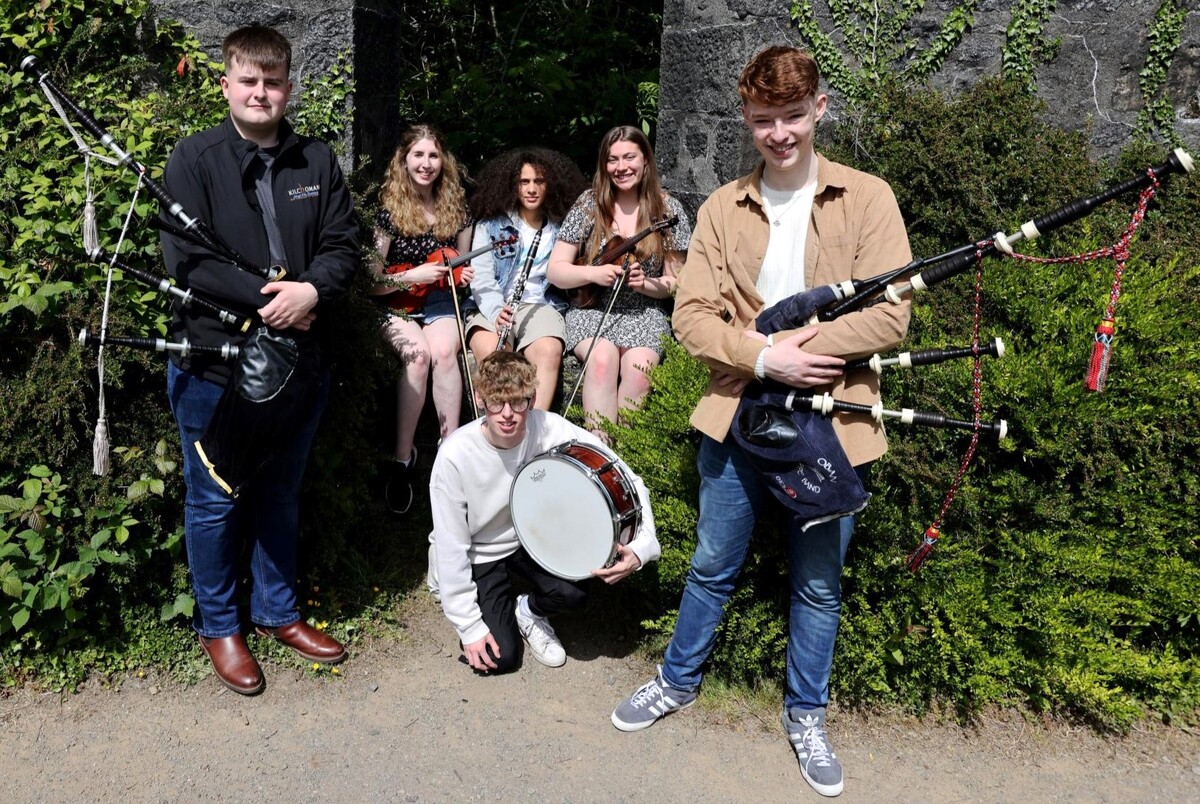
x,y
91,244
1097,369
934,531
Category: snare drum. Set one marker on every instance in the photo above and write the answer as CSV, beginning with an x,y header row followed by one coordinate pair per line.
x,y
571,506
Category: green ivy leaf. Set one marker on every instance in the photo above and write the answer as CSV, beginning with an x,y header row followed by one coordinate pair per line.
x,y
20,619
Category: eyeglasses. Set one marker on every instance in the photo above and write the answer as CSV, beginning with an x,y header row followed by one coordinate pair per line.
x,y
516,405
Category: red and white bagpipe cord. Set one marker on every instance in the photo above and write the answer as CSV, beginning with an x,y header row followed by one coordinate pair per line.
x,y
91,245
934,531
1097,373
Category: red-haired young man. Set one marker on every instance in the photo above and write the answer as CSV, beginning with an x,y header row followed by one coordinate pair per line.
x,y
745,256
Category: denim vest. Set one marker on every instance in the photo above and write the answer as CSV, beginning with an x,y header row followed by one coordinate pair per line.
x,y
506,259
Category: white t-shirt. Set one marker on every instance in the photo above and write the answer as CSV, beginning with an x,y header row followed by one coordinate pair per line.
x,y
468,492
788,212
535,284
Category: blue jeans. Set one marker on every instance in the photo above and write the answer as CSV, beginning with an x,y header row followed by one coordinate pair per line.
x,y
732,497
266,513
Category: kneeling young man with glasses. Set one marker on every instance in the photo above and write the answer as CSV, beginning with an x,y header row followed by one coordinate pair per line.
x,y
475,546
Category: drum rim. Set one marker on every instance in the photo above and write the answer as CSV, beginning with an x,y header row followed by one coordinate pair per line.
x,y
619,524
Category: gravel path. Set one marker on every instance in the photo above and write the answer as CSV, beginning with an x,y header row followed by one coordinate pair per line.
x,y
406,721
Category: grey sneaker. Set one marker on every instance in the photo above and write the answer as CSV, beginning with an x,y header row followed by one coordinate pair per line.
x,y
539,635
805,729
651,701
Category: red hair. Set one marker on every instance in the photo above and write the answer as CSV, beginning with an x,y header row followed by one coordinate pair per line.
x,y
778,76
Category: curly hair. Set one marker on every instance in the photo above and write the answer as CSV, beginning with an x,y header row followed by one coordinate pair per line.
x,y
505,377
399,197
497,190
651,198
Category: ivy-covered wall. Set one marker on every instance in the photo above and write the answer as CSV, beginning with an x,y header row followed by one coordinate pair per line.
x,y
1112,69
319,30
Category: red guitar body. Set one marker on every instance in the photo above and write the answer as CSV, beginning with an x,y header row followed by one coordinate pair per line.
x,y
412,298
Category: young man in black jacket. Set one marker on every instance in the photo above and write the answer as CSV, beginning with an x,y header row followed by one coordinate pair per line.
x,y
276,198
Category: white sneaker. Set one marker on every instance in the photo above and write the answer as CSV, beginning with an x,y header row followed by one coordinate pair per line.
x,y
543,642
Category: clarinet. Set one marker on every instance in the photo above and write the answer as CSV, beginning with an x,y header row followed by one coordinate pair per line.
x,y
514,298
225,351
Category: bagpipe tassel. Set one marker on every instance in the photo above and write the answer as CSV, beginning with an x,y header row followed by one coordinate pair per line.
x,y
91,235
918,556
100,449
1097,374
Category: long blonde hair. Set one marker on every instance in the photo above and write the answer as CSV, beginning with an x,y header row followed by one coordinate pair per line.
x,y
400,198
651,198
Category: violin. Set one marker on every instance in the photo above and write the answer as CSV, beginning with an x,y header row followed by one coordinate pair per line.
x,y
588,296
411,298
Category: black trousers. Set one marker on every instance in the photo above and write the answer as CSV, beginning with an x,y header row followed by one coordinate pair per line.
x,y
552,595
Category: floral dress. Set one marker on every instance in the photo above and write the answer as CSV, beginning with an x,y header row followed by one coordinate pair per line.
x,y
636,319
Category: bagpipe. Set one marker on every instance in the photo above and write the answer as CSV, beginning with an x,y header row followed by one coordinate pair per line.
x,y
787,434
276,375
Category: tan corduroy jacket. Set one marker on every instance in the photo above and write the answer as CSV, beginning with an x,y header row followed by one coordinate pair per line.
x,y
855,232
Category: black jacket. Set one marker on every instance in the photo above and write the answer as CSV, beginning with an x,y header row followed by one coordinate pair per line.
x,y
209,174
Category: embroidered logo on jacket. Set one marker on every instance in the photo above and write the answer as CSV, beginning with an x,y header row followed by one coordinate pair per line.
x,y
304,191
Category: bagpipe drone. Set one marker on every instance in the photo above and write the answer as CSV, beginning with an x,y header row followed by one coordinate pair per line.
x,y
275,374
787,434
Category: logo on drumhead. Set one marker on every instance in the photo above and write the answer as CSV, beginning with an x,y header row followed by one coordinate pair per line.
x,y
537,475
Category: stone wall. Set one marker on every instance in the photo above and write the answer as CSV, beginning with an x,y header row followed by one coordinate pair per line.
x,y
1091,82
318,29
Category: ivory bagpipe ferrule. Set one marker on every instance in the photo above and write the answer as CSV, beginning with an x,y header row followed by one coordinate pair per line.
x,y
226,351
926,357
1179,161
827,406
187,298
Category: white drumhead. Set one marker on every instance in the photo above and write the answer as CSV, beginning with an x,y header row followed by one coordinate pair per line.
x,y
562,516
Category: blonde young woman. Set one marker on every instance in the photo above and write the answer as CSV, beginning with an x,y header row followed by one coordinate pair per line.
x,y
423,208
626,196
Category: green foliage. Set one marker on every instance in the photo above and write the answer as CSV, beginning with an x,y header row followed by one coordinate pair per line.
x,y
876,43
1164,36
1025,47
497,75
48,559
323,112
1069,568
647,106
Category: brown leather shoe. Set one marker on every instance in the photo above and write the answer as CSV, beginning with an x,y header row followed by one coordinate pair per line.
x,y
307,641
233,663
